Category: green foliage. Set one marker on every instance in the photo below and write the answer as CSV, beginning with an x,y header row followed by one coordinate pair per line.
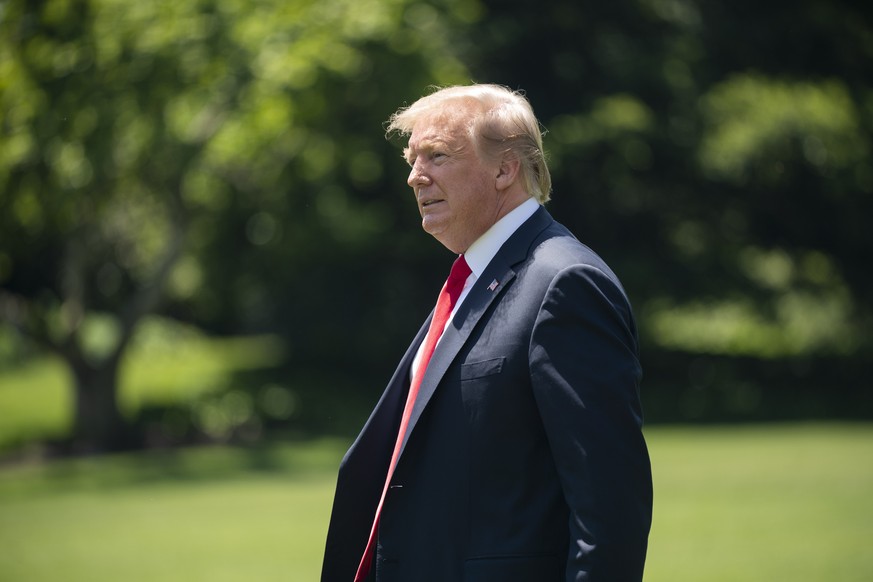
x,y
753,120
718,156
195,158
120,121
811,312
222,162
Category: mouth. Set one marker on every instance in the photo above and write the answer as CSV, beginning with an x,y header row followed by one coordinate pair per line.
x,y
430,202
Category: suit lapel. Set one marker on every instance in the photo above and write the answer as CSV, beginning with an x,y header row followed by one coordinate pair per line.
x,y
497,276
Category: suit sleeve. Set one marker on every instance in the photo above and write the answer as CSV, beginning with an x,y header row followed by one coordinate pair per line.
x,y
585,373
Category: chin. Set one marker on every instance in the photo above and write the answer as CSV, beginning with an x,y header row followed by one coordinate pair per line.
x,y
432,228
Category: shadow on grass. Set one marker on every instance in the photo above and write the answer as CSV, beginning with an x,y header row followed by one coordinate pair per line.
x,y
298,460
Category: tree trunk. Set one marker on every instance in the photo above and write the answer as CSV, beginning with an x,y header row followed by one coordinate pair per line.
x,y
98,424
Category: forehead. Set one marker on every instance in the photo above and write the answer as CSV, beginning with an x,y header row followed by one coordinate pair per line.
x,y
438,129
450,121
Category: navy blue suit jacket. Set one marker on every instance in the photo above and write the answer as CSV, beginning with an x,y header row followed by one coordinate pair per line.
x,y
525,460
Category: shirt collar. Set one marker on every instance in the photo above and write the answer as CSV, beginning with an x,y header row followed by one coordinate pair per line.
x,y
486,246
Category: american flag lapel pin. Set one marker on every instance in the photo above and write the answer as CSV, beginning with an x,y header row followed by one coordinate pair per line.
x,y
493,285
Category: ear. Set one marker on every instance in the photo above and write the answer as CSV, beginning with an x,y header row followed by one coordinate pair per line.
x,y
507,171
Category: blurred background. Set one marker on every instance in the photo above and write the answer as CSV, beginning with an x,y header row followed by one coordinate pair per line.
x,y
210,264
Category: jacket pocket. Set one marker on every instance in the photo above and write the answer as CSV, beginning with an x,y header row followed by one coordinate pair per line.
x,y
539,568
474,370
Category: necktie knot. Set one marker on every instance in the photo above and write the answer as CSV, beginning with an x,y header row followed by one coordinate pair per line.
x,y
457,277
445,304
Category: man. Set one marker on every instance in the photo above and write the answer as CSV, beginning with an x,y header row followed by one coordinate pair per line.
x,y
512,451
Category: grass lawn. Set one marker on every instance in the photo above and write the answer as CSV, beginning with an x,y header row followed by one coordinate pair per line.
x,y
766,503
760,503
212,514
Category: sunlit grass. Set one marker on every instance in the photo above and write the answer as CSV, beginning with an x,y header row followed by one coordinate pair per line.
x,y
35,401
163,373
211,514
762,503
181,531
758,503
168,364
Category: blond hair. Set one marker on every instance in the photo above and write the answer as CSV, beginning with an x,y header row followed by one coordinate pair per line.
x,y
499,121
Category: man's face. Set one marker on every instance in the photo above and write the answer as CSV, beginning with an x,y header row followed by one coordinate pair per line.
x,y
455,188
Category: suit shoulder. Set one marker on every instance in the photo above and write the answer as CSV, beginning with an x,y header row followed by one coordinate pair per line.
x,y
560,266
557,249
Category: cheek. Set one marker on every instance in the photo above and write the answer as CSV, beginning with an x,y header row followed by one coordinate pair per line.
x,y
476,200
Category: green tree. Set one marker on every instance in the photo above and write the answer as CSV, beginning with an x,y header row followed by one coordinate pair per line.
x,y
184,156
719,155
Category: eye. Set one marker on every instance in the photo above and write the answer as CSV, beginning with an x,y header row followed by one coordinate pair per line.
x,y
437,155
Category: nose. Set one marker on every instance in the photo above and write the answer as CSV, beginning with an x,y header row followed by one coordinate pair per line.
x,y
417,176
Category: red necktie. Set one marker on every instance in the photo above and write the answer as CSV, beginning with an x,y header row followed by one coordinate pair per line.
x,y
445,303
